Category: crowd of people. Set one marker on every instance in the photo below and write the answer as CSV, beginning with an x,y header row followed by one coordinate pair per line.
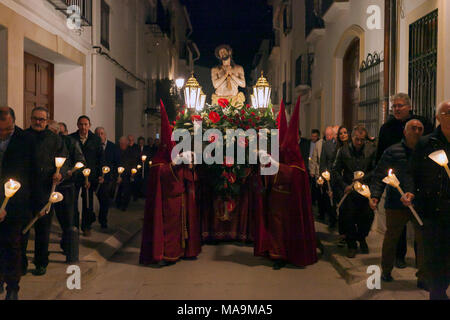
x,y
404,143
332,167
28,157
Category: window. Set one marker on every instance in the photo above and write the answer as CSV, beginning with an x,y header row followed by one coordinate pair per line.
x,y
287,19
104,31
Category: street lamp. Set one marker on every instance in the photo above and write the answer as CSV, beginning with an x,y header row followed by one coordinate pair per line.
x,y
261,93
179,83
192,93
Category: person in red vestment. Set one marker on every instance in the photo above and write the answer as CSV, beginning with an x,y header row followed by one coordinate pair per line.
x,y
290,233
171,225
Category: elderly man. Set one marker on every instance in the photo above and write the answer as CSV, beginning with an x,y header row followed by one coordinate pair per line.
x,y
429,184
106,191
396,157
93,153
16,162
391,133
47,146
65,209
63,129
357,217
314,171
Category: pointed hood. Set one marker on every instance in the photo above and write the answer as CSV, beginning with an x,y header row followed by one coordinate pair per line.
x,y
290,149
282,122
166,144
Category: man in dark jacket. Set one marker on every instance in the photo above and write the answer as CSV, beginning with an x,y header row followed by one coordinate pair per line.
x,y
429,184
106,191
65,210
128,161
391,133
357,217
47,146
16,162
91,146
396,157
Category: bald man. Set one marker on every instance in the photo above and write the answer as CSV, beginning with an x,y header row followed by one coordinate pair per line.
x,y
396,157
429,184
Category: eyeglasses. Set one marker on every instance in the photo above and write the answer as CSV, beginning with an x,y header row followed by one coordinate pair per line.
x,y
38,119
445,114
398,105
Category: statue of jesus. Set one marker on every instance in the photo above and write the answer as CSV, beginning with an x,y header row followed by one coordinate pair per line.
x,y
227,77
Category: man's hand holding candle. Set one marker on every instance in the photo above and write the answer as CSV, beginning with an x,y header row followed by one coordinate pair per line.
x,y
2,215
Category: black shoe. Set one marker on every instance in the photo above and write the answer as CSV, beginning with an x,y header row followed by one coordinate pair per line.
x,y
164,263
400,263
363,247
386,277
422,285
40,271
351,253
278,265
12,295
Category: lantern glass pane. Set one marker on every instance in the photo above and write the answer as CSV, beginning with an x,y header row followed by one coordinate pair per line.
x,y
253,101
187,97
192,97
260,97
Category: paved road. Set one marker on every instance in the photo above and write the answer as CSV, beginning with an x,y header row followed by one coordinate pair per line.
x,y
221,272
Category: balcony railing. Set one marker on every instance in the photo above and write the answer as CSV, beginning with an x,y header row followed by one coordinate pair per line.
x,y
85,7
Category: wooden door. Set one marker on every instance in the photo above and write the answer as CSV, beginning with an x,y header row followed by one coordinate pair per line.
x,y
350,85
38,86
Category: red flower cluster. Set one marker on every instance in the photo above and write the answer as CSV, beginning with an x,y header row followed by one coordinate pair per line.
x,y
214,117
230,176
223,102
196,117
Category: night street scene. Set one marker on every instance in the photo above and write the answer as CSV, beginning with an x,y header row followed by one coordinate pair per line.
x,y
224,158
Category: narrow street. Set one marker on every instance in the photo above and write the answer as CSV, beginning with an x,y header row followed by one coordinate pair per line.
x,y
222,272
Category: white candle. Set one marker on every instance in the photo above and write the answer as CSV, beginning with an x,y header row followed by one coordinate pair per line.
x,y
86,173
59,162
11,187
440,157
392,180
327,176
144,157
55,197
77,166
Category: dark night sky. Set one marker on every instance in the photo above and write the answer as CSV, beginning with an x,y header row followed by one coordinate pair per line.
x,y
242,24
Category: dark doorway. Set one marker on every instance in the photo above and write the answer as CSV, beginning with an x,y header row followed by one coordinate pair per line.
x,y
350,85
38,86
119,113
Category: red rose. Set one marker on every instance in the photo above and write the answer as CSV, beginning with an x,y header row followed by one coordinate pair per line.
x,y
242,118
182,112
196,117
258,118
214,117
223,103
174,122
242,111
225,117
178,117
253,114
248,106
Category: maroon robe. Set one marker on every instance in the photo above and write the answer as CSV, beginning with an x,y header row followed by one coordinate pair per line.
x,y
171,225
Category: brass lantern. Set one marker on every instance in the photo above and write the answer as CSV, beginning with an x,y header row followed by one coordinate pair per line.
x,y
261,93
192,93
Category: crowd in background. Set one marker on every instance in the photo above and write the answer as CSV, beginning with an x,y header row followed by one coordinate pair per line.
x,y
403,145
28,157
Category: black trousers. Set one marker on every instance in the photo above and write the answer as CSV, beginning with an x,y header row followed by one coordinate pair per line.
x,y
123,195
10,253
315,192
402,246
87,214
357,218
104,196
436,243
327,209
41,241
65,212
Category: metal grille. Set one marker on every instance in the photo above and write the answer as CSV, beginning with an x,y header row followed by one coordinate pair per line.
x,y
423,64
84,5
370,102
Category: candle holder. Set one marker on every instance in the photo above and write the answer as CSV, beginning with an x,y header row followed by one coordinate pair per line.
x,y
11,187
393,181
120,170
55,197
320,181
133,173
77,166
86,173
440,157
357,175
143,158
105,171
59,162
327,176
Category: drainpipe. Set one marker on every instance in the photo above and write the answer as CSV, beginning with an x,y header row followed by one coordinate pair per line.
x,y
387,56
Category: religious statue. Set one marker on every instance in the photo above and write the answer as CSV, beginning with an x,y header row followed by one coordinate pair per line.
x,y
227,77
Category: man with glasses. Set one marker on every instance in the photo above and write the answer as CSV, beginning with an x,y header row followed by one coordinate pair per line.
x,y
47,146
429,184
392,133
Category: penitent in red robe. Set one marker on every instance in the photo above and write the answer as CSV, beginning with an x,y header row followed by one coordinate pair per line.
x,y
171,224
290,227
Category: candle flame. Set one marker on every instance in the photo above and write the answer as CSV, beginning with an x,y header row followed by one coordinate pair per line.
x,y
133,171
86,172
144,157
79,165
390,173
105,170
139,166
120,170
